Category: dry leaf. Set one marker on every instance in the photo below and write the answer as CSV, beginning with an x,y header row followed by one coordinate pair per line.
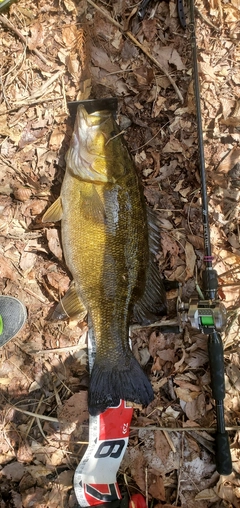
x,y
37,36
173,146
196,241
169,245
34,497
179,185
137,468
53,242
24,453
185,394
208,71
36,471
156,342
158,106
58,281
167,355
102,60
233,121
197,359
56,139
156,487
180,362
162,446
70,5
186,384
69,35
6,269
57,497
208,494
75,409
176,60
196,408
226,491
27,261
17,499
190,260
13,471
149,27
229,161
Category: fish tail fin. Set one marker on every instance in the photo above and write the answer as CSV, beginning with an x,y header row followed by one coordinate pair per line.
x,y
110,383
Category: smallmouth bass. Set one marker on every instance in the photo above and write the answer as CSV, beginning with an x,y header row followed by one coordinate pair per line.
x,y
105,239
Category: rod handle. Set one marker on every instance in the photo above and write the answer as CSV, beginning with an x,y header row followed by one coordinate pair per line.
x,y
223,454
216,361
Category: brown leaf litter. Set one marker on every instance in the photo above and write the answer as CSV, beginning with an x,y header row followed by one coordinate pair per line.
x,y
54,53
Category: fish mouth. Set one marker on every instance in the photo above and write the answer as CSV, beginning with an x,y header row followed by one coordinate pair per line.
x,y
86,153
87,120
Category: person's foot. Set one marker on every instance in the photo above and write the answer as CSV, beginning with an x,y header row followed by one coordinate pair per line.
x,y
13,315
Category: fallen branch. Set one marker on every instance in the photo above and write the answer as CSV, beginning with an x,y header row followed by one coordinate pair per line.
x,y
140,46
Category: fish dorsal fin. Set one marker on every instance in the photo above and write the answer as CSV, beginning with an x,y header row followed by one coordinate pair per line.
x,y
154,234
54,212
70,306
152,304
92,206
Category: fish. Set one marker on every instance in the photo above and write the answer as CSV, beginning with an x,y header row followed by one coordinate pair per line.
x,y
110,253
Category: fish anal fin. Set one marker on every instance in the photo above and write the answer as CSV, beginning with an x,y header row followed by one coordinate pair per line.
x,y
70,306
54,212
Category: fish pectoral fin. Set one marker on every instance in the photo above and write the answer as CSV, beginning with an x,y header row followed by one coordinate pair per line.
x,y
152,303
70,305
54,212
92,206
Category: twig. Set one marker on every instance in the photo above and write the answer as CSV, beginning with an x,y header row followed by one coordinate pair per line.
x,y
180,469
149,140
183,429
132,427
64,96
167,437
9,25
146,485
41,429
38,297
153,325
220,11
35,415
32,420
206,20
41,91
56,350
30,103
140,46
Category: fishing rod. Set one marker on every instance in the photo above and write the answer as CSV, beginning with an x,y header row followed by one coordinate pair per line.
x,y
210,313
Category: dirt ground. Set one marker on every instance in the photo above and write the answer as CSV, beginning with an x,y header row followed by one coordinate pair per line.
x,y
53,53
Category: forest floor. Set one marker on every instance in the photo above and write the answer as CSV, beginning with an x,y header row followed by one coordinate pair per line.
x,y
56,52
